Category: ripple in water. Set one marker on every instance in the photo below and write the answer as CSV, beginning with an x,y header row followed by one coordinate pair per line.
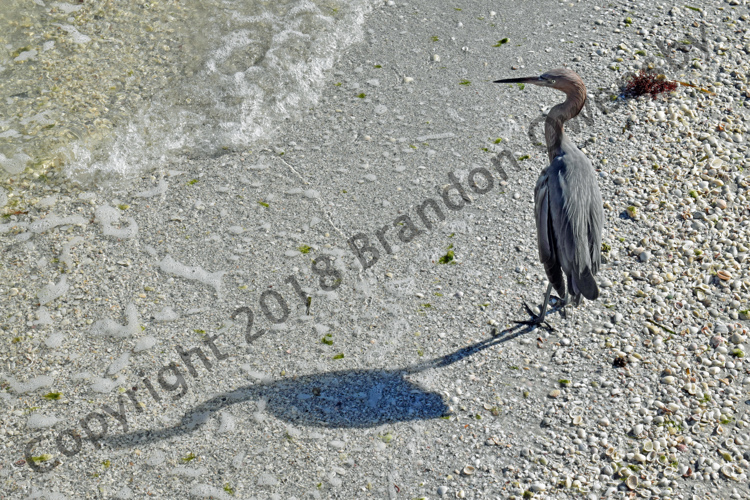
x,y
104,87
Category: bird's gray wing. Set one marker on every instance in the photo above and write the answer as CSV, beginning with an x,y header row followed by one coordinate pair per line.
x,y
545,229
596,221
545,238
580,222
559,201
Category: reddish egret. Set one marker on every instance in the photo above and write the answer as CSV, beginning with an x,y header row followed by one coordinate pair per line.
x,y
567,202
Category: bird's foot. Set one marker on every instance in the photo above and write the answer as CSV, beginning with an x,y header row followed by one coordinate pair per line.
x,y
535,320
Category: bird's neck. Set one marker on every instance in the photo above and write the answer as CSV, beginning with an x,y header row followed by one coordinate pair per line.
x,y
558,115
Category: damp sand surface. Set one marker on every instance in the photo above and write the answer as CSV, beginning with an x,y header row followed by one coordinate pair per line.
x,y
408,378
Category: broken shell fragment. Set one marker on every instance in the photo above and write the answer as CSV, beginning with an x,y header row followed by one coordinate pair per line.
x,y
728,471
724,275
632,482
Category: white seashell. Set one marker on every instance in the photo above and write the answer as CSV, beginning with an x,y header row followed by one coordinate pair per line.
x,y
631,482
728,471
537,487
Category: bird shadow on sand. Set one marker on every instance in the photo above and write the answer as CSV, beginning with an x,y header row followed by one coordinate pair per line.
x,y
337,399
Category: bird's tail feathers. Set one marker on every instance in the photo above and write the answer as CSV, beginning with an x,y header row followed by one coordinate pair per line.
x,y
587,285
555,276
574,291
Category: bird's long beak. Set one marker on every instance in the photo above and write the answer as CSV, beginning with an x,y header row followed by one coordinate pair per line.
x,y
527,79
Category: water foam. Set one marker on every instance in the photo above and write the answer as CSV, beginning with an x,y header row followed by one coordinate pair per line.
x,y
257,70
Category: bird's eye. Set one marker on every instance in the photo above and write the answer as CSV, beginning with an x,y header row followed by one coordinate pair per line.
x,y
551,81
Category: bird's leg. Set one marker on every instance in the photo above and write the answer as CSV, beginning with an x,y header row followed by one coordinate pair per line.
x,y
538,320
563,303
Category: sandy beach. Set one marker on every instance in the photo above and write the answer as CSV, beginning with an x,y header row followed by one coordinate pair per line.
x,y
329,313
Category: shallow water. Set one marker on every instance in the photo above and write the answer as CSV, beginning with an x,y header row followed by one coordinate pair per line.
x,y
108,87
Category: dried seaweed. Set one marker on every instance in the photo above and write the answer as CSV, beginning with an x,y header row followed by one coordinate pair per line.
x,y
646,82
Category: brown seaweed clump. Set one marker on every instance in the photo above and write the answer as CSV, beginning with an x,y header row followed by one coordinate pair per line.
x,y
646,82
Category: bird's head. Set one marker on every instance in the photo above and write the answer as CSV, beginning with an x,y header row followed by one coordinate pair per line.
x,y
563,79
